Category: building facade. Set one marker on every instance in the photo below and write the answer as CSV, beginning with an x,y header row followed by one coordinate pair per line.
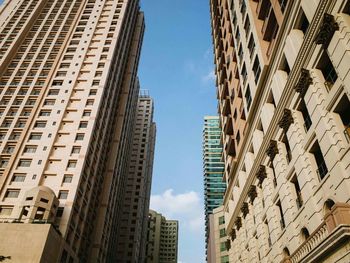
x,y
214,186
133,224
220,254
283,89
67,104
162,239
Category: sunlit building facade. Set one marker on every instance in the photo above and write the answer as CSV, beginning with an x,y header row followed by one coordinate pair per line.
x,y
162,239
213,169
69,89
283,88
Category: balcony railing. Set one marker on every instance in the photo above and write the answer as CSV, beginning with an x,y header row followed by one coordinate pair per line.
x,y
312,242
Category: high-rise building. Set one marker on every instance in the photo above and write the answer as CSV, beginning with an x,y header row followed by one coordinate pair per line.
x,y
133,224
220,254
68,98
162,239
283,88
213,168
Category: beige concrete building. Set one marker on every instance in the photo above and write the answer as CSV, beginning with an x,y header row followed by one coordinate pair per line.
x,y
133,224
220,254
162,239
68,97
283,90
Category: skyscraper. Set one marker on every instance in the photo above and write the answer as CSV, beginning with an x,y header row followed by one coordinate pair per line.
x,y
162,239
282,72
214,186
133,224
68,97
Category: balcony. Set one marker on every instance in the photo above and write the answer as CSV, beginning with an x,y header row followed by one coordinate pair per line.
x,y
333,232
226,108
228,126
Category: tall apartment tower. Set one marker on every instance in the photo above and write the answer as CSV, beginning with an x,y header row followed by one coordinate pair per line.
x,y
68,97
214,187
283,88
133,226
162,239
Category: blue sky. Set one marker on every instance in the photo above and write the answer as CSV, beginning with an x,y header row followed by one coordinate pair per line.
x,y
177,67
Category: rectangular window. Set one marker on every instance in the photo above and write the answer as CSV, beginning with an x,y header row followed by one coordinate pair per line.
x,y
18,178
222,233
63,194
72,164
248,98
40,124
79,137
67,178
6,210
86,113
256,69
35,136
30,149
12,193
83,124
221,220
24,163
322,169
76,149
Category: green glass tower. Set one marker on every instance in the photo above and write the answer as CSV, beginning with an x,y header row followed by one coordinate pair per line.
x,y
214,186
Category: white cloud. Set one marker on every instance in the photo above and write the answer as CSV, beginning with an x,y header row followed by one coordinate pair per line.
x,y
185,207
209,77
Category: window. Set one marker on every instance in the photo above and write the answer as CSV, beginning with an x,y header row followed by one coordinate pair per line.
x,y
328,71
221,220
251,46
302,23
59,212
44,113
92,92
24,163
286,144
284,65
79,137
322,169
307,119
67,178
343,110
63,194
35,136
256,69
282,222
86,113
222,246
5,210
224,259
83,124
4,163
30,149
12,193
76,149
283,5
18,178
89,102
299,198
248,98
40,124
72,164
222,232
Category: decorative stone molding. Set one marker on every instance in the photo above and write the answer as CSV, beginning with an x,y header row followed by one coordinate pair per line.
x,y
339,214
238,222
286,120
245,209
272,150
233,234
304,82
327,29
252,193
261,174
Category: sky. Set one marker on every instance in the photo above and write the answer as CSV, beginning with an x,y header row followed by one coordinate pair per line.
x,y
177,68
